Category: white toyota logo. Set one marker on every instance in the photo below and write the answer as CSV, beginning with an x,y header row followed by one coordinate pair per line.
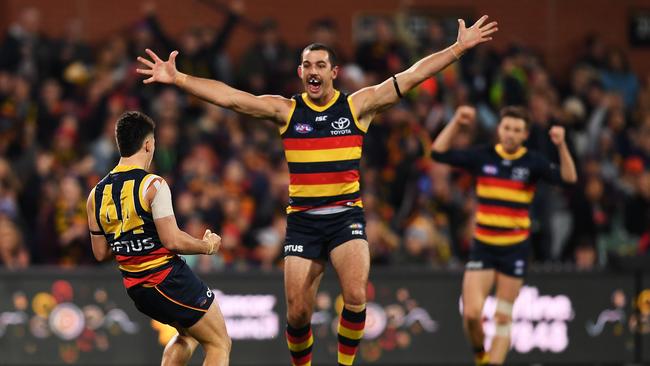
x,y
341,123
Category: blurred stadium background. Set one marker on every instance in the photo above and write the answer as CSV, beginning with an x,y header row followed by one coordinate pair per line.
x,y
67,70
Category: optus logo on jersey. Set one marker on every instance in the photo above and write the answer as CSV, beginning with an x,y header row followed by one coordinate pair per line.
x,y
303,128
129,246
290,248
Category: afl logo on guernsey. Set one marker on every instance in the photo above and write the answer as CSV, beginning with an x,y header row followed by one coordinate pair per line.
x,y
490,170
303,128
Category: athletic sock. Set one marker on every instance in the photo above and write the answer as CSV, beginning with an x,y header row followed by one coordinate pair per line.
x,y
300,341
350,332
481,358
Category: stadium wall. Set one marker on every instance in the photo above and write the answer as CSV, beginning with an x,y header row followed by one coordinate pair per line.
x,y
556,28
84,317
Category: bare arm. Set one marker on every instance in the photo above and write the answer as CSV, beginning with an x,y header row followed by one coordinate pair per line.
x,y
171,237
373,99
101,250
567,166
178,241
464,116
272,107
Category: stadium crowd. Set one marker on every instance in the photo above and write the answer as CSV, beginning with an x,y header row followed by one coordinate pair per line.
x,y
60,98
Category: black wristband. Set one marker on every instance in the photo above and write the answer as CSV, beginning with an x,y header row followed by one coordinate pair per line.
x,y
96,232
399,93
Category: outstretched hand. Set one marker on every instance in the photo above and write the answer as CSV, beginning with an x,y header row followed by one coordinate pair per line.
x,y
477,33
159,70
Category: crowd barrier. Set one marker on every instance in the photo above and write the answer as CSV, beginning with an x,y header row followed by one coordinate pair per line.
x,y
84,317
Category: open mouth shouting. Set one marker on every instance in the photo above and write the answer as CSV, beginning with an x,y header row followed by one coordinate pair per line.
x,y
314,84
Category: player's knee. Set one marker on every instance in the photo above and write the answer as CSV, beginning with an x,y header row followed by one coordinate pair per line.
x,y
227,344
472,313
298,313
218,341
355,297
503,318
187,342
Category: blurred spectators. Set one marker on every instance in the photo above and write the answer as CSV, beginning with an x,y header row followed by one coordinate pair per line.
x,y
60,98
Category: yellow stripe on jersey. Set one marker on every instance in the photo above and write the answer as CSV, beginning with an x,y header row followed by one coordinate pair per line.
x,y
319,108
322,190
284,127
510,156
502,221
146,265
504,194
108,213
130,218
317,156
124,168
501,240
354,116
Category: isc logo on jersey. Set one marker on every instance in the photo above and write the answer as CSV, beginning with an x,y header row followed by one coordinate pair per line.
x,y
340,127
357,228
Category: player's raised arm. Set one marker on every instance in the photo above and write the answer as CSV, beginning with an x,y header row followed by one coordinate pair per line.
x,y
464,116
567,166
272,107
368,101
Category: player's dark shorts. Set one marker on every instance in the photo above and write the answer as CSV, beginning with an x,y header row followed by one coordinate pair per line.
x,y
314,236
511,260
180,300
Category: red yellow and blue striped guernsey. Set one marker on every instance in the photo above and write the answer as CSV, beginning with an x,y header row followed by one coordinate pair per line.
x,y
323,147
127,223
505,188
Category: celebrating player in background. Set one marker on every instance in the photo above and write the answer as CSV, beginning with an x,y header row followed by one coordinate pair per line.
x,y
506,176
131,218
322,131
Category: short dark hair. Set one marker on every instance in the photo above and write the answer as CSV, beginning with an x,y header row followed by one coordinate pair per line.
x,y
516,112
130,131
321,47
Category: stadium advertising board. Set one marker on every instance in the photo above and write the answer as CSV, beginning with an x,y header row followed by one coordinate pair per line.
x,y
85,318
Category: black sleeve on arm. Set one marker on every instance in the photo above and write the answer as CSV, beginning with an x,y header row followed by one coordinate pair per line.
x,y
466,158
159,35
222,38
547,170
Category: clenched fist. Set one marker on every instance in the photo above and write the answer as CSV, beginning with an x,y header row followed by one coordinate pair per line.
x,y
213,240
465,115
557,135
